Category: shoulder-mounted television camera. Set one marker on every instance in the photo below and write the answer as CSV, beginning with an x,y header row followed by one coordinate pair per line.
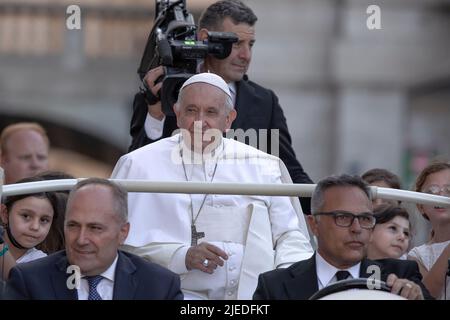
x,y
173,44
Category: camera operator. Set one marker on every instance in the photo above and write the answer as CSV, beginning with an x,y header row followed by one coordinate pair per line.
x,y
257,108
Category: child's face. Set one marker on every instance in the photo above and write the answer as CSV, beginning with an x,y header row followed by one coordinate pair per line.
x,y
391,239
29,220
436,183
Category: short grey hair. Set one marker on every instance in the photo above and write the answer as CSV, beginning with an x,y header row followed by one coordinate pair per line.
x,y
345,180
119,195
228,100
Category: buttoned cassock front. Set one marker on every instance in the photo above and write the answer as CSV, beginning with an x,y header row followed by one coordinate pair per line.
x,y
259,233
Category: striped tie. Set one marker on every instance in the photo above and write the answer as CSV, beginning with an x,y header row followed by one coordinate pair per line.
x,y
233,94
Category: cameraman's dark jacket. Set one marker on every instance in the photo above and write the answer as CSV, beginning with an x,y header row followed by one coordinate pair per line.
x,y
256,107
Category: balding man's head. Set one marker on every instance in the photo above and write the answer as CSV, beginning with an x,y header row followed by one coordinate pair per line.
x,y
24,151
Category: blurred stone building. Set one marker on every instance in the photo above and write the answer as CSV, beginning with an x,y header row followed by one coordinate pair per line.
x,y
78,83
354,98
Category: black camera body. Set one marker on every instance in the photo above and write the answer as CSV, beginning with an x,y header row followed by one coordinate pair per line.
x,y
173,44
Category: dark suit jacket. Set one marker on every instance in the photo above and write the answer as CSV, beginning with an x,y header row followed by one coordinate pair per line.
x,y
299,281
135,278
256,107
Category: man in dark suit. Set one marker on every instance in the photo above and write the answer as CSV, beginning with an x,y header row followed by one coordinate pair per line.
x,y
257,107
342,222
92,267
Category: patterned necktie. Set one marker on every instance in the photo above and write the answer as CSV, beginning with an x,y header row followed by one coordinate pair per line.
x,y
233,94
342,275
93,283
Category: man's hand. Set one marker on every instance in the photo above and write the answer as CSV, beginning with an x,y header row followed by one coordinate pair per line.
x,y
404,288
197,255
155,110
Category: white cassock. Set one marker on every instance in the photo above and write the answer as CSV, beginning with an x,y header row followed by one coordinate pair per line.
x,y
259,233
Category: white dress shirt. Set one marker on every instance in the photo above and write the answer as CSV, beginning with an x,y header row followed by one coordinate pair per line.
x,y
30,255
105,287
153,127
326,273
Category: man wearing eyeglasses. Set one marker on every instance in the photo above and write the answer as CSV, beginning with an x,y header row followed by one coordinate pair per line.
x,y
342,221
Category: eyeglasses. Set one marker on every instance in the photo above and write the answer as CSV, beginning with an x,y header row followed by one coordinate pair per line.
x,y
345,219
436,190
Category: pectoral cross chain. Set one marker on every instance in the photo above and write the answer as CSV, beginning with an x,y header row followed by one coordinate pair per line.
x,y
195,235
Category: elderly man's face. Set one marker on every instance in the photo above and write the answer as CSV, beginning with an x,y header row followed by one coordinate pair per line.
x,y
342,247
93,229
26,155
202,112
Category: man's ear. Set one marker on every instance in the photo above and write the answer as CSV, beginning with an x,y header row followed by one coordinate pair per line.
x,y
371,235
176,110
124,229
312,224
230,118
203,34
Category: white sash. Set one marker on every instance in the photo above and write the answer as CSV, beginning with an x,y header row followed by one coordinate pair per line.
x,y
224,224
248,226
259,255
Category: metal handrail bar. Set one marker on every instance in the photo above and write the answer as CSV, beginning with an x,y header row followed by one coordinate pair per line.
x,y
222,188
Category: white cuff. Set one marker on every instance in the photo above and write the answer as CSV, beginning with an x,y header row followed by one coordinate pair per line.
x,y
178,262
153,127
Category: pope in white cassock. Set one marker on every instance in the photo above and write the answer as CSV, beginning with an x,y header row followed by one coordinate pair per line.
x,y
218,244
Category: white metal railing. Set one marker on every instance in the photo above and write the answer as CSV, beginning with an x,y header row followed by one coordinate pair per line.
x,y
221,188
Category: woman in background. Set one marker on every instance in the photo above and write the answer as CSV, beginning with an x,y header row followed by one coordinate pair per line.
x,y
433,257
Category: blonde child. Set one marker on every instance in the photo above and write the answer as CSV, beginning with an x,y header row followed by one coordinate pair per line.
x,y
433,256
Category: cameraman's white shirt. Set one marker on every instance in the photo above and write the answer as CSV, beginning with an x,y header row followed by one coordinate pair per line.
x,y
153,127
